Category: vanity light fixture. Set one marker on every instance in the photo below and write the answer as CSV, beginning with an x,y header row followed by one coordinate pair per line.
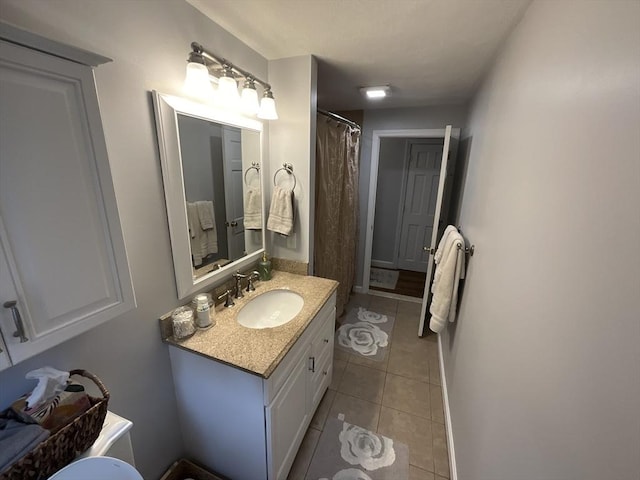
x,y
268,106
201,63
197,79
228,87
376,92
249,98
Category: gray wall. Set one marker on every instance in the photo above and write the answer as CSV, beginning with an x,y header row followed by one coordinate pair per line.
x,y
542,365
149,42
395,119
390,175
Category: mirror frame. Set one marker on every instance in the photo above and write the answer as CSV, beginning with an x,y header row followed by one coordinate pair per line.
x,y
167,108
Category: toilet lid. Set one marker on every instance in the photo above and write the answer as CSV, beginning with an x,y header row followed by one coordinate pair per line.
x,y
98,468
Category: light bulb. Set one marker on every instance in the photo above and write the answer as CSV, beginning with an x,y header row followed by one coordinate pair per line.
x,y
249,98
228,89
268,107
197,81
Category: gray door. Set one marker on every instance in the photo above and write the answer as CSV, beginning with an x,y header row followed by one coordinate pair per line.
x,y
423,176
232,153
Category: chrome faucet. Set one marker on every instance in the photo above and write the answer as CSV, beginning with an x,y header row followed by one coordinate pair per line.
x,y
250,279
228,298
238,278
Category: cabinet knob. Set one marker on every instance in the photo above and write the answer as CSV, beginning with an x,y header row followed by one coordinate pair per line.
x,y
326,340
326,372
17,320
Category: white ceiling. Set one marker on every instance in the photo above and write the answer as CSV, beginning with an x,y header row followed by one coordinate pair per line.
x,y
428,51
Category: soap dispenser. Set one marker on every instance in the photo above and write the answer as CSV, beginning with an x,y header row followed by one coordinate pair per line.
x,y
264,267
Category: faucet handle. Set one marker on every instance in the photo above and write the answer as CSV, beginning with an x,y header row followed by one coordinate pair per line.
x,y
250,279
228,302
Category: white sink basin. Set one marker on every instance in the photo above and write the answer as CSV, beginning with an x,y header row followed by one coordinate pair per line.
x,y
271,309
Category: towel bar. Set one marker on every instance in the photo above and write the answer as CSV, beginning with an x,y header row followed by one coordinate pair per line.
x,y
468,250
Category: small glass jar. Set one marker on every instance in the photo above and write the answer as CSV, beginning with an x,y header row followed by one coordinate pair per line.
x,y
183,324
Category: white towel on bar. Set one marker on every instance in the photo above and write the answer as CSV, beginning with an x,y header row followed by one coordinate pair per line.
x,y
253,209
449,271
443,249
281,211
203,242
194,233
206,214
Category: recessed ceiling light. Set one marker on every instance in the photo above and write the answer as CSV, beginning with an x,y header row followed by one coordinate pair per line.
x,y
376,92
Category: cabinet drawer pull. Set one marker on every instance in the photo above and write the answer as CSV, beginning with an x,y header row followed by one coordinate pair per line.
x,y
313,364
17,319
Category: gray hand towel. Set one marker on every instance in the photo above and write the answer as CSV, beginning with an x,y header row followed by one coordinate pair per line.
x,y
17,439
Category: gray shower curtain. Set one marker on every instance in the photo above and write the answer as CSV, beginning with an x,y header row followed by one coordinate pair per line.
x,y
336,211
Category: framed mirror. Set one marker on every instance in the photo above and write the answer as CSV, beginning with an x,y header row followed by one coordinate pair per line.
x,y
211,169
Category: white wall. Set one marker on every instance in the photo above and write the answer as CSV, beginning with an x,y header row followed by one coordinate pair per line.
x,y
149,42
543,364
395,119
292,140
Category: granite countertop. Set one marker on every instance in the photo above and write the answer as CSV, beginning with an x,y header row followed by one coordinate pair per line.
x,y
258,351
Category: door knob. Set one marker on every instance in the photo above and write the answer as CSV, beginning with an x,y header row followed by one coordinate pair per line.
x,y
17,320
430,251
234,224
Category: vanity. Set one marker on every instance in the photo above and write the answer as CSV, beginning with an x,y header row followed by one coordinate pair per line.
x,y
246,388
246,396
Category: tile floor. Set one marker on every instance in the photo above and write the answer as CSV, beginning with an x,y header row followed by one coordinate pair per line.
x,y
399,397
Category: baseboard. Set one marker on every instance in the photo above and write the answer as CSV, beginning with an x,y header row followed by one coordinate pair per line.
x,y
396,296
383,264
453,473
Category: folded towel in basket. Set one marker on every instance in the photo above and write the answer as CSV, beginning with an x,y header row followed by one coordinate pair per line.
x,y
17,439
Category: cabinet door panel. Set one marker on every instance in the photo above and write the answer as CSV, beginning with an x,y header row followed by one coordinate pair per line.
x,y
287,420
59,226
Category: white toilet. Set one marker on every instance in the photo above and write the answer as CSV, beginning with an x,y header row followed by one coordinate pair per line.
x,y
97,468
109,458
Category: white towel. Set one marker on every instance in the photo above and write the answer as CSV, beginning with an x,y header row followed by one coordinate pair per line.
x,y
438,255
443,249
281,211
253,209
194,233
206,215
446,281
202,242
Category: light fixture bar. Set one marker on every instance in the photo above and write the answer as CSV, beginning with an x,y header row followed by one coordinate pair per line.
x,y
197,48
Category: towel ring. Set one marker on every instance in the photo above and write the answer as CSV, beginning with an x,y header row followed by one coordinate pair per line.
x,y
254,166
287,167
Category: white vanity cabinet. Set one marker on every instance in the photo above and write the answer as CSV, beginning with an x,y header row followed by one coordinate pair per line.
x,y
247,427
62,253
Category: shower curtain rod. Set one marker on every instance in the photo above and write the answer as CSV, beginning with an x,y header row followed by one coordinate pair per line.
x,y
339,118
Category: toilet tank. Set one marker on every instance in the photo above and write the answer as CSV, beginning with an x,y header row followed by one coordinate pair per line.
x,y
114,440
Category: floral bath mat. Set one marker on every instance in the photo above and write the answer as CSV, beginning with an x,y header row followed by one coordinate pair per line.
x,y
365,333
349,452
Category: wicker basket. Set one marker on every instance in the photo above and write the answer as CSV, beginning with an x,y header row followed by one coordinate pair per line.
x,y
63,446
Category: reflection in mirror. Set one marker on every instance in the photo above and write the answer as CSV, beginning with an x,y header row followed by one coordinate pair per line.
x,y
213,188
215,158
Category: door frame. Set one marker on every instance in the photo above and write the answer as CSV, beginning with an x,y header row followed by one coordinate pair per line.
x,y
373,186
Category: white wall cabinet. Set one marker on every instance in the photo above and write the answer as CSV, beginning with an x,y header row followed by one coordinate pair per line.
x,y
62,253
247,427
